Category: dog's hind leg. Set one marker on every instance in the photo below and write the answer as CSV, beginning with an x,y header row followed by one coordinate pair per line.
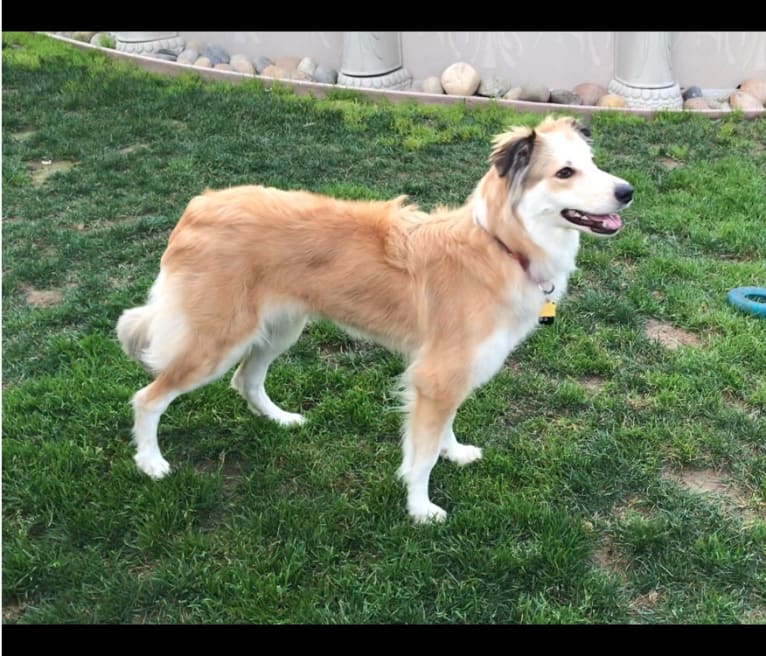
x,y
278,335
148,405
192,368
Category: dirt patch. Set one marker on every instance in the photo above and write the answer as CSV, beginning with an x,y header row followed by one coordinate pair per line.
x,y
514,367
644,602
633,504
670,163
331,349
750,411
132,149
95,224
716,484
43,298
639,402
755,615
13,611
23,135
176,125
41,171
231,473
701,481
608,558
230,467
669,336
347,483
592,383
149,617
142,571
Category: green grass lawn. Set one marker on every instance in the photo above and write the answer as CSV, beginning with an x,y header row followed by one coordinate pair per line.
x,y
623,480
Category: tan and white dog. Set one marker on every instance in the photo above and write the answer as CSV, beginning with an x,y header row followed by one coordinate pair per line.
x,y
455,291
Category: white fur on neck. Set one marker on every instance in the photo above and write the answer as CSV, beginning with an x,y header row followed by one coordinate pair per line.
x,y
560,243
479,212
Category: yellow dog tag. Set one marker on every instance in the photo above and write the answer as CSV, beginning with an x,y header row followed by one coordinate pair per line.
x,y
547,312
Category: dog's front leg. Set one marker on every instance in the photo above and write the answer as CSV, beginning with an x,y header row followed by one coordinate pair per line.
x,y
424,427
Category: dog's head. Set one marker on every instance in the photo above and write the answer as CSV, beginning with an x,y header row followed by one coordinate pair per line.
x,y
547,177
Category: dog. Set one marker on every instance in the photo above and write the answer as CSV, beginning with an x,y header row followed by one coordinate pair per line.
x,y
454,291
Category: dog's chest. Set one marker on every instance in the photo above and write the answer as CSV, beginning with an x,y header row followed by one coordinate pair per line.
x,y
521,321
492,352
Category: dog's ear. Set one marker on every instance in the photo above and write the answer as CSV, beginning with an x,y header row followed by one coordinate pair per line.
x,y
514,155
582,128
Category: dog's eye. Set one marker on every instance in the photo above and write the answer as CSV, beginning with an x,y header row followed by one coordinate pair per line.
x,y
565,173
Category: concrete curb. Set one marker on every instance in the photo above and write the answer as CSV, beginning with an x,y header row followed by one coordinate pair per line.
x,y
319,90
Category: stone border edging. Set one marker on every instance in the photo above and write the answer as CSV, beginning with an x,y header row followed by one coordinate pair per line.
x,y
319,90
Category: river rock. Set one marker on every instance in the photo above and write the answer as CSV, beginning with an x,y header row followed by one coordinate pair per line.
x,y
298,75
756,88
163,54
717,103
432,85
287,63
460,79
216,55
325,75
514,93
535,93
222,67
83,36
692,92
261,63
565,97
241,64
274,71
307,66
187,56
696,102
195,44
493,87
590,92
203,62
611,100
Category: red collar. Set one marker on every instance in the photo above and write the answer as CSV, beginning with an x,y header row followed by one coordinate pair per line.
x,y
522,259
547,287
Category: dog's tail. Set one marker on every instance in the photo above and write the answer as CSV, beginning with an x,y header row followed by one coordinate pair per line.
x,y
155,333
133,331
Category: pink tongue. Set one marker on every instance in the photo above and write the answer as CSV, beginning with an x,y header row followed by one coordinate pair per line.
x,y
611,221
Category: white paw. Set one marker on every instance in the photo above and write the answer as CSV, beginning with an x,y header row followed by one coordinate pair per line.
x,y
462,454
152,464
288,418
280,416
428,514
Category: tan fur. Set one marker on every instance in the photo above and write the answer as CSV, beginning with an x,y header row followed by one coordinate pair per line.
x,y
133,332
433,286
382,267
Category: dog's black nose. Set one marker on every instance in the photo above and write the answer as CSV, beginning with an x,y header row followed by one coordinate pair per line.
x,y
623,193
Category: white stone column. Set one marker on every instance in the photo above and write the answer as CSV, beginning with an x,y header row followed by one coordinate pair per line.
x,y
373,60
148,43
643,71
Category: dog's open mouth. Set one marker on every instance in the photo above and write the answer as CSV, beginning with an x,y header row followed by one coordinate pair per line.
x,y
603,224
